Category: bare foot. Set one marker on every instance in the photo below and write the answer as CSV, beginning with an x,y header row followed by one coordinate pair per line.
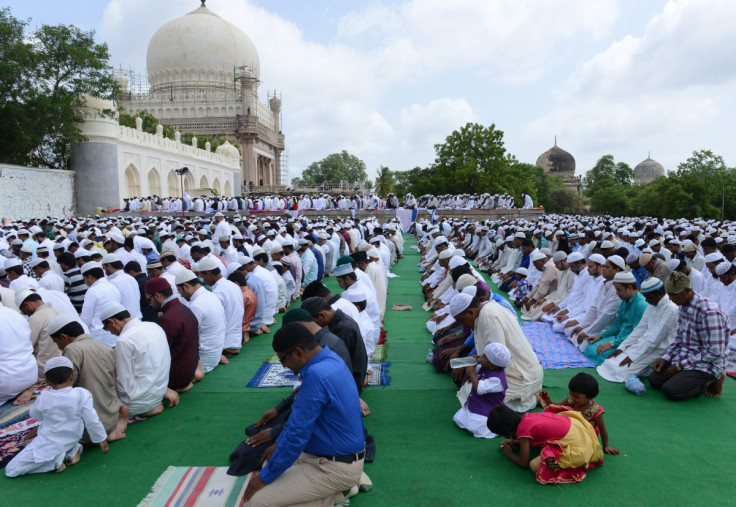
x,y
715,388
76,458
223,359
364,408
230,352
159,408
61,468
118,433
172,397
265,329
198,373
187,388
246,338
24,397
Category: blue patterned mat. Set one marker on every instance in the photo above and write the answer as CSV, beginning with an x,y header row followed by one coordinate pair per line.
x,y
554,351
275,375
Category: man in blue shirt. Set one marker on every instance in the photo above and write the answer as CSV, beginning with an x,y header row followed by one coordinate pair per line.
x,y
320,452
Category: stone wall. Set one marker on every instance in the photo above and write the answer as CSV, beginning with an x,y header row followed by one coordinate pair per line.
x,y
31,192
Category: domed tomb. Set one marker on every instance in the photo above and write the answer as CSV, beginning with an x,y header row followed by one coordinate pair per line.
x,y
556,160
647,170
199,49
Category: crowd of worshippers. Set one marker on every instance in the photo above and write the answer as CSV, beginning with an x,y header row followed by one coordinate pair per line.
x,y
127,313
286,202
641,298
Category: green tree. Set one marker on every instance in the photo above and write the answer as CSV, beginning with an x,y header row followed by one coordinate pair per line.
x,y
607,173
564,200
335,167
44,75
472,159
384,181
150,122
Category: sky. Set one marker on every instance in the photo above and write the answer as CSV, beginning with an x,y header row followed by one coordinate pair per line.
x,y
387,81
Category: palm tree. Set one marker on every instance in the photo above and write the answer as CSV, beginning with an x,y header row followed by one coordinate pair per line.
x,y
384,181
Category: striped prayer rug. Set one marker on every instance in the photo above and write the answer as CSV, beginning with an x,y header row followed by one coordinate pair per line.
x,y
197,486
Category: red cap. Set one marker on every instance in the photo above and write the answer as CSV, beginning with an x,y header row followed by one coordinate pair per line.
x,y
158,284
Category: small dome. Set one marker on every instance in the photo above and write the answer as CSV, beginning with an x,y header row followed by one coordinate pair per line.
x,y
228,150
556,160
198,49
647,170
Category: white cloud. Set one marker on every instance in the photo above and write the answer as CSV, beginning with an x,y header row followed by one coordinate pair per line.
x,y
339,95
669,90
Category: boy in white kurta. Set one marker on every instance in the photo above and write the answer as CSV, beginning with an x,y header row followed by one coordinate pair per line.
x,y
63,412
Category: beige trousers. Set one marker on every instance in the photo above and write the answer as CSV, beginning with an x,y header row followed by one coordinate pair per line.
x,y
310,481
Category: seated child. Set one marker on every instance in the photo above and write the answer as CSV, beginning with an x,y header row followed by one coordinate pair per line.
x,y
63,412
583,388
569,444
489,388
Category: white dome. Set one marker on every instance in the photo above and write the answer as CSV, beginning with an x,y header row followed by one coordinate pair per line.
x,y
227,150
198,49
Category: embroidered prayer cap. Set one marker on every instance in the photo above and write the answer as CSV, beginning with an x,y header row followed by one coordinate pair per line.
x,y
21,295
498,354
277,249
522,271
598,259
677,282
673,264
439,240
373,253
110,309
457,261
184,276
722,268
624,277
58,323
631,258
520,235
57,362
559,256
156,284
206,264
219,214
245,259
355,295
465,280
343,269
539,256
446,254
154,264
35,262
459,303
11,263
109,259
606,244
645,258
575,257
690,247
650,285
90,266
714,257
472,290
223,239
233,267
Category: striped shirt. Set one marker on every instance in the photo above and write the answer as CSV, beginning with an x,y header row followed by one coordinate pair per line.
x,y
701,342
75,287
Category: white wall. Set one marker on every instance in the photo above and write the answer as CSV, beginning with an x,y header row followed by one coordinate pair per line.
x,y
30,192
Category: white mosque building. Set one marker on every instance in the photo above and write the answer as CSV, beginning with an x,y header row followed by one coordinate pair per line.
x,y
203,77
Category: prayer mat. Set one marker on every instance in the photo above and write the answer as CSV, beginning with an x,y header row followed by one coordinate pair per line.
x,y
197,486
380,355
554,350
275,375
12,439
10,414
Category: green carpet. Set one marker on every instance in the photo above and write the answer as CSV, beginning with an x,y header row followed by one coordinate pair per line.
x,y
673,453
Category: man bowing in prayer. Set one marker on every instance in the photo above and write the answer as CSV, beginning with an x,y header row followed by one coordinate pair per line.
x,y
494,324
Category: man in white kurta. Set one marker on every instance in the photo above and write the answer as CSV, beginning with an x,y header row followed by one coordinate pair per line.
x,y
494,324
649,339
99,292
18,367
210,315
130,295
231,297
377,276
143,360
